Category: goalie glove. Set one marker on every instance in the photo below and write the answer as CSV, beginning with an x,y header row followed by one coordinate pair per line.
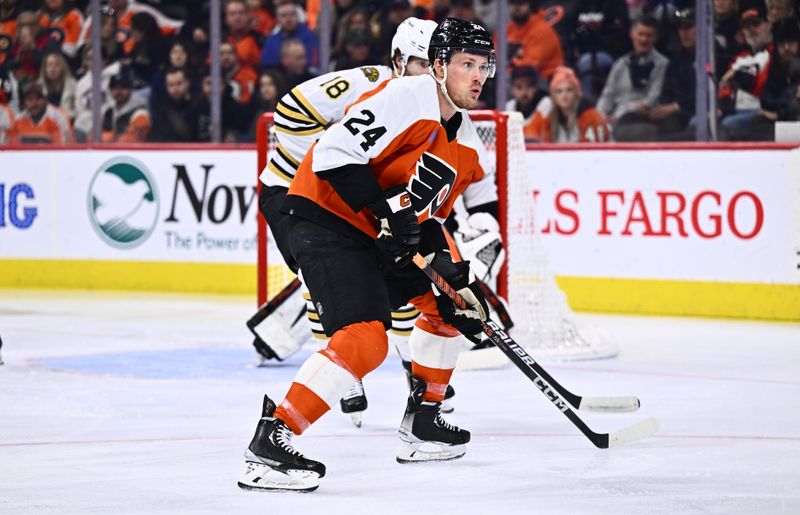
x,y
478,239
458,275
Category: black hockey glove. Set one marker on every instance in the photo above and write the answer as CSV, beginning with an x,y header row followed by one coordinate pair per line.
x,y
400,232
467,321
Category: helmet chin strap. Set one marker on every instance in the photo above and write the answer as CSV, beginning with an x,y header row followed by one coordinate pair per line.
x,y
402,71
443,87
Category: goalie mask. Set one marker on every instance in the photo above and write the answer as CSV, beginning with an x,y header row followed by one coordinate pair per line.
x,y
411,40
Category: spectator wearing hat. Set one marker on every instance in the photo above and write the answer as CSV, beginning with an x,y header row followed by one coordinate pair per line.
x,y
246,42
126,119
40,122
677,100
289,27
741,85
526,96
634,85
571,118
357,51
531,39
780,98
57,15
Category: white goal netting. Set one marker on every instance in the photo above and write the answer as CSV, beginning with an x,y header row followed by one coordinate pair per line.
x,y
543,320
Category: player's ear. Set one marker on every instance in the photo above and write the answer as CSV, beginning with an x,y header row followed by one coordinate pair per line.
x,y
438,68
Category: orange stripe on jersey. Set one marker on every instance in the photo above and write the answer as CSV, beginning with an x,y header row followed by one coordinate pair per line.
x,y
436,380
301,408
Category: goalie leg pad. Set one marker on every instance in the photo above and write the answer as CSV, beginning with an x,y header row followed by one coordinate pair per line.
x,y
285,330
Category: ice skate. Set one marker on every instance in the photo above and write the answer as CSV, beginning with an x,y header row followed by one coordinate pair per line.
x,y
424,434
272,463
447,404
354,402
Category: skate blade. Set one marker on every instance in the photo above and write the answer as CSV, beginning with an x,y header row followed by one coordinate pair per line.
x,y
356,418
422,452
260,477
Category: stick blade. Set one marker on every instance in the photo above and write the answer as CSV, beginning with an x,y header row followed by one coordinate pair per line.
x,y
610,404
637,431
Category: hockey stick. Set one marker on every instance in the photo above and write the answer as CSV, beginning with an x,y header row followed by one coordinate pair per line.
x,y
608,404
541,379
266,310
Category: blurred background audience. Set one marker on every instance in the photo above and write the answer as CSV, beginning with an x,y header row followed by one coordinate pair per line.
x,y
634,59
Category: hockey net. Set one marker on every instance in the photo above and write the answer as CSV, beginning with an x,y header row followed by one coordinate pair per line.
x,y
543,321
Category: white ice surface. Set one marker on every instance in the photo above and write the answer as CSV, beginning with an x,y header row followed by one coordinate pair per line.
x,y
133,403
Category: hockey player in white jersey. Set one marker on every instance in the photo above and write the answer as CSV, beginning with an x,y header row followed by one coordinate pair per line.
x,y
372,193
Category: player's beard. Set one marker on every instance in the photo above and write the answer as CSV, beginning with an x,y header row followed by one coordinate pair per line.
x,y
463,101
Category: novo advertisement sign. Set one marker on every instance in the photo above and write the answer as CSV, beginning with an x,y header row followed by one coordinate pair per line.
x,y
139,205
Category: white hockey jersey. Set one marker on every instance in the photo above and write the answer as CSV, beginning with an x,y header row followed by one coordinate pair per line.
x,y
310,108
396,130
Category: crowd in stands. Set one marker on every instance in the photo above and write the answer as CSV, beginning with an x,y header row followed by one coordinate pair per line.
x,y
580,70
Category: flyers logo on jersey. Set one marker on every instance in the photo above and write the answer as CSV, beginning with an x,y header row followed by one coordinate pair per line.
x,y
430,185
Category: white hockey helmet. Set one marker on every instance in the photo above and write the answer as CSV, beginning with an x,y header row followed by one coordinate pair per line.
x,y
411,39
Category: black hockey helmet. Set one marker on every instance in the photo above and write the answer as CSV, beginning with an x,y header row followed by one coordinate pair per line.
x,y
454,34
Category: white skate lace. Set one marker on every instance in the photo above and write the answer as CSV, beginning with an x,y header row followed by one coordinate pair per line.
x,y
357,390
283,438
443,423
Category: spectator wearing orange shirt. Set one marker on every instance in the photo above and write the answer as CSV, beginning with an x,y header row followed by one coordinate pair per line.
x,y
261,20
40,122
245,41
571,118
531,40
126,119
8,18
242,78
56,15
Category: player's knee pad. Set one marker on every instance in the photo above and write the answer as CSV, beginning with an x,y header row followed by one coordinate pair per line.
x,y
359,347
